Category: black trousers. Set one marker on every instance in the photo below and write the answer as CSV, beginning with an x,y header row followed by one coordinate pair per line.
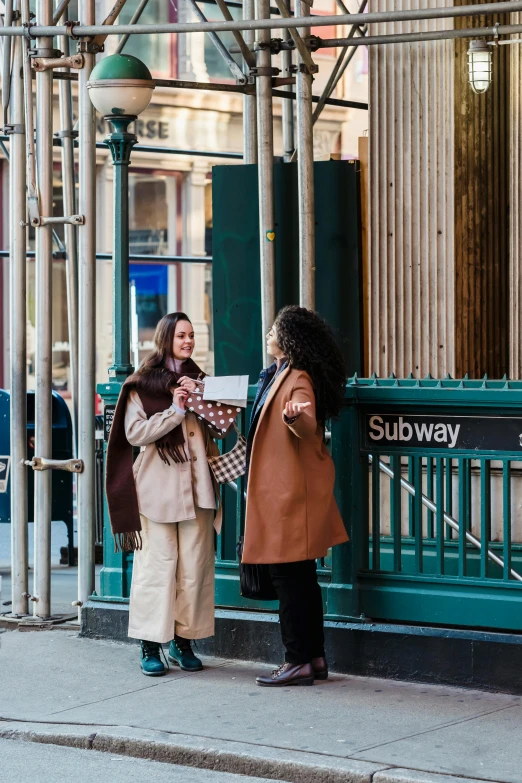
x,y
300,609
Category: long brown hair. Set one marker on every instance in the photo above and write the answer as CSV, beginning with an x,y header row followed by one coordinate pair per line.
x,y
163,342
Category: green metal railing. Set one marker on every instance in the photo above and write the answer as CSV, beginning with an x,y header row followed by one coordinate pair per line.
x,y
435,528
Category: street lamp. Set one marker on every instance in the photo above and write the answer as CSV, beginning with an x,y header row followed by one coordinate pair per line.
x,y
120,88
479,66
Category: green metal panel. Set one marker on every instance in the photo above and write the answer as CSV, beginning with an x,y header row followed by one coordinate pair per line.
x,y
115,576
235,253
237,313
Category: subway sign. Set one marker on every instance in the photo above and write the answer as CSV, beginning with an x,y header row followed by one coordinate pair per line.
x,y
385,432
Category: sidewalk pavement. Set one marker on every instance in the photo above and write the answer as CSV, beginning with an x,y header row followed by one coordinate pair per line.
x,y
56,688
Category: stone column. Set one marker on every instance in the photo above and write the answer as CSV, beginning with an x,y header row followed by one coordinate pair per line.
x,y
193,285
411,200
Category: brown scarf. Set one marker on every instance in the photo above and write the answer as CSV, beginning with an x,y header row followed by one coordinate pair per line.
x,y
154,389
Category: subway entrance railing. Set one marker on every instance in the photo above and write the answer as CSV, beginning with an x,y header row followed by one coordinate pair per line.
x,y
429,483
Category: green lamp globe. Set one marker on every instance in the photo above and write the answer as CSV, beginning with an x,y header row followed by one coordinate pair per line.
x,y
120,86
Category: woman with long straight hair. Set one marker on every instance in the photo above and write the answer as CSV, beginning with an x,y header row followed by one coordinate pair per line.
x,y
162,505
292,517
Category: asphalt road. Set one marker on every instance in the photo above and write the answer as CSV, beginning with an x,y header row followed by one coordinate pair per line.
x,y
29,762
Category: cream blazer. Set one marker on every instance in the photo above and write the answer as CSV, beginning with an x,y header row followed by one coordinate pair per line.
x,y
169,493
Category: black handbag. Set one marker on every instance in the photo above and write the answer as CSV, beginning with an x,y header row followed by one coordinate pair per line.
x,y
254,579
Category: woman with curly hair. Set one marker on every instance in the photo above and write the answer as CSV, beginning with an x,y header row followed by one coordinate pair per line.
x,y
291,515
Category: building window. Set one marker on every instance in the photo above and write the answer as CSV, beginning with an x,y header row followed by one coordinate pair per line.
x,y
155,49
216,66
152,231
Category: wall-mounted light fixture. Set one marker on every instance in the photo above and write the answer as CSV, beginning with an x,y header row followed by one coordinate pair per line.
x,y
479,65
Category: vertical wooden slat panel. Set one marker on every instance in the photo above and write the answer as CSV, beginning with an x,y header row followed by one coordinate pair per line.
x,y
481,214
515,236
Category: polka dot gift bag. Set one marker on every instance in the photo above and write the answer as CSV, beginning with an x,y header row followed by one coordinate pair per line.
x,y
219,416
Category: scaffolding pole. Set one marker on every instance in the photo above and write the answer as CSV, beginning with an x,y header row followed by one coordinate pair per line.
x,y
265,147
135,19
18,379
6,64
288,106
86,323
305,172
44,345
333,78
69,208
447,12
249,101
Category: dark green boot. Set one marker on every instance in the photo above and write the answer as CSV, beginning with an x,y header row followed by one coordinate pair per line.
x,y
180,654
151,663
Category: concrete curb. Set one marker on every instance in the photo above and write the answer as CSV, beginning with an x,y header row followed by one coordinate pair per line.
x,y
291,766
206,753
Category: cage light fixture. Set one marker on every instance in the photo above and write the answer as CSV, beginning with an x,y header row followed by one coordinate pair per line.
x,y
479,66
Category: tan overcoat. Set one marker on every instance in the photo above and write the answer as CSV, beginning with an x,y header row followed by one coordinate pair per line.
x,y
291,513
170,493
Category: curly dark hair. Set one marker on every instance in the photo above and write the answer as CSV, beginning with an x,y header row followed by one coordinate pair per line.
x,y
309,343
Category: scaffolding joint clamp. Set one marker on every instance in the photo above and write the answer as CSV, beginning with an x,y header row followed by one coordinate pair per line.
x,y
313,42
69,465
28,27
89,47
45,53
40,222
303,68
264,71
69,29
66,134
275,45
76,61
12,128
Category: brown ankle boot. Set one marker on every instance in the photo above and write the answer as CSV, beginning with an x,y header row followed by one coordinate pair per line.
x,y
289,674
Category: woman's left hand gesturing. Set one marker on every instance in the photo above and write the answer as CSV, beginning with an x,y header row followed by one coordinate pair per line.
x,y
294,409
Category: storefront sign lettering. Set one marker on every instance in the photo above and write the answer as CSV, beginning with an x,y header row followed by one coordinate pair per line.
x,y
144,129
386,432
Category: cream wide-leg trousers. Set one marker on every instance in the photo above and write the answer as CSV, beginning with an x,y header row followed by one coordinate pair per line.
x,y
172,590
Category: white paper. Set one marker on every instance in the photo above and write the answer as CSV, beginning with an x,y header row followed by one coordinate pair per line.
x,y
228,389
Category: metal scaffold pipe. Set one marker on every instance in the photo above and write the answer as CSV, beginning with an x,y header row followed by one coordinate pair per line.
x,y
86,322
249,101
44,345
18,374
71,246
266,23
288,106
6,65
265,154
135,18
305,173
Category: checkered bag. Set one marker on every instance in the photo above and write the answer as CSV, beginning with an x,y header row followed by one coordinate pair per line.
x,y
230,466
